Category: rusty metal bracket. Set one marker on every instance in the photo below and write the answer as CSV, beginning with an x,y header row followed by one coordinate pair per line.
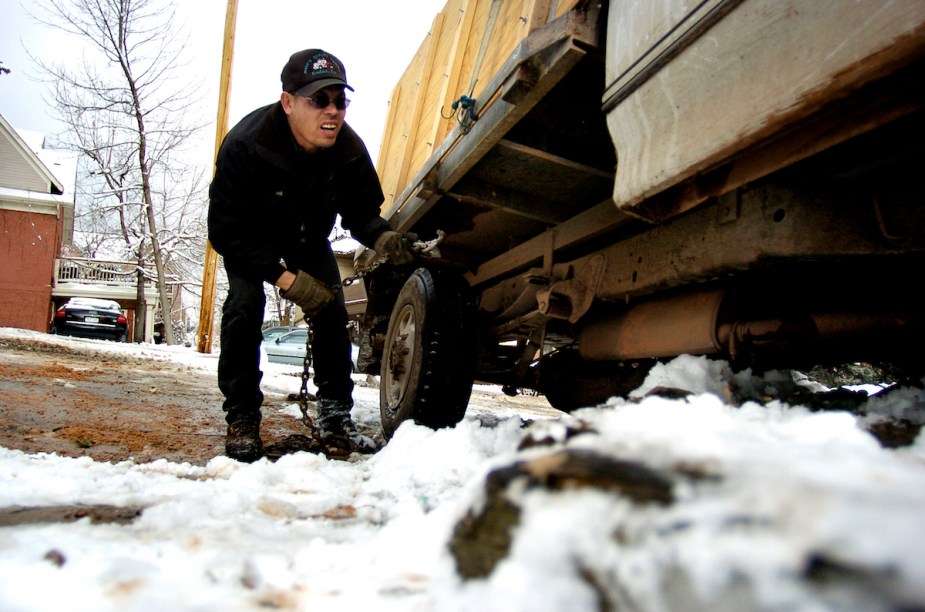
x,y
572,298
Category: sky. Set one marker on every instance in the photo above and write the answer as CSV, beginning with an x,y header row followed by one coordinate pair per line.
x,y
375,40
775,507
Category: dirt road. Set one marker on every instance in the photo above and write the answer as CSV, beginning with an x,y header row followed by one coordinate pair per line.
x,y
78,401
88,399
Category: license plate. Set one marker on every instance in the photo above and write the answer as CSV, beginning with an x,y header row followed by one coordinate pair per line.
x,y
92,319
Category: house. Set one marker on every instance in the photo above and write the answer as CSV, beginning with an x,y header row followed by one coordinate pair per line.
x,y
37,187
34,209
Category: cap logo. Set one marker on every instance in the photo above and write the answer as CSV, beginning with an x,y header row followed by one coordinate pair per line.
x,y
320,65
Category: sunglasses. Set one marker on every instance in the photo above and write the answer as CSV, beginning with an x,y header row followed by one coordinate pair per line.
x,y
321,100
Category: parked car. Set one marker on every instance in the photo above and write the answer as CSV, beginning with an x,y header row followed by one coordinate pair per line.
x,y
271,333
91,318
290,348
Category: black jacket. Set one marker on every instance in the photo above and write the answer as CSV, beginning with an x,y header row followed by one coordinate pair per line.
x,y
268,199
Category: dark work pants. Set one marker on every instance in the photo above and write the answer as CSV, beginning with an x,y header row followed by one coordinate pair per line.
x,y
239,372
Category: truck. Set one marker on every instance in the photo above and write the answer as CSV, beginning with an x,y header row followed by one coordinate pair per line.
x,y
614,184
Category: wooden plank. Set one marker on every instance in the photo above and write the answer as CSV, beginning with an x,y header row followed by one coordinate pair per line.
x,y
385,148
393,159
441,89
524,177
391,153
537,14
355,294
652,34
564,6
413,125
418,101
463,61
508,30
454,83
472,42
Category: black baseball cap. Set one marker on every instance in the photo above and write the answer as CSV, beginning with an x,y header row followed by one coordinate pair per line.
x,y
311,70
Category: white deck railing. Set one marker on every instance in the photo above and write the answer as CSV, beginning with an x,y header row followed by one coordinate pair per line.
x,y
98,272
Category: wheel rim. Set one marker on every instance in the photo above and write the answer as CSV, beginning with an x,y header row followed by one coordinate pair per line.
x,y
400,357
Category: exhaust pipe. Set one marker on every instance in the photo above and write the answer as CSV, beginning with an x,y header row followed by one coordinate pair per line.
x,y
660,328
699,323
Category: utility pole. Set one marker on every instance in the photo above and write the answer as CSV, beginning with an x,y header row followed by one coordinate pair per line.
x,y
207,308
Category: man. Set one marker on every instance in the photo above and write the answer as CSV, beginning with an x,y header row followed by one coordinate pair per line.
x,y
282,175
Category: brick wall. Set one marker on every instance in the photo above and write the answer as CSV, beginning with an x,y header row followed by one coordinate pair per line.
x,y
29,243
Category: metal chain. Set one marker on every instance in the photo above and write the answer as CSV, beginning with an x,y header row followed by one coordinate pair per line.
x,y
303,392
361,273
424,248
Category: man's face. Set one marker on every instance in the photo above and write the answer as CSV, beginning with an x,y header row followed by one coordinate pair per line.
x,y
315,127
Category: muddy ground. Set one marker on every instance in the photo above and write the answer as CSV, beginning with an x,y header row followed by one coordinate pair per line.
x,y
81,402
77,401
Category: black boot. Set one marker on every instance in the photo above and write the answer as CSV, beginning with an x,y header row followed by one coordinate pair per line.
x,y
337,430
242,442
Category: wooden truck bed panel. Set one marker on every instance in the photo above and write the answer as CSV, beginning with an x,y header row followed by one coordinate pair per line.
x,y
446,66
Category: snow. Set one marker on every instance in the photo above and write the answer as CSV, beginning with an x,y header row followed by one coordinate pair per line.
x,y
774,507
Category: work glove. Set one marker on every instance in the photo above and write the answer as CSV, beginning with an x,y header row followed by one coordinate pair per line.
x,y
396,246
309,293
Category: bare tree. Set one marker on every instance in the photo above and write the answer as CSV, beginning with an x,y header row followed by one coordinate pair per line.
x,y
128,115
182,189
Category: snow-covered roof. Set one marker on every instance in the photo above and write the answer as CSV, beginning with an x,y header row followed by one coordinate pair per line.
x,y
27,153
61,163
29,164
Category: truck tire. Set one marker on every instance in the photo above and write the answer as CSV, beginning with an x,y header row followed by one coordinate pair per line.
x,y
428,363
